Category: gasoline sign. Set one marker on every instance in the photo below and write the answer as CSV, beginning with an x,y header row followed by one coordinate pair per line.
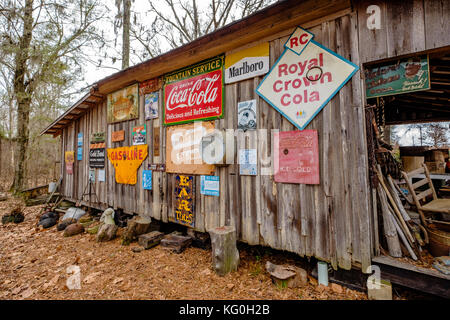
x,y
304,79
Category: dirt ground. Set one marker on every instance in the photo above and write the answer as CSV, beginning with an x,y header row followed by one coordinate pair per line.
x,y
34,265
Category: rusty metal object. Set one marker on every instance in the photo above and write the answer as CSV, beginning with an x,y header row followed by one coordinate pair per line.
x,y
439,239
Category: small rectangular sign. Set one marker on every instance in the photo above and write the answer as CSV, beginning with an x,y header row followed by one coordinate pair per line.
x,y
97,137
156,138
247,63
184,200
151,105
248,165
147,179
92,175
210,186
247,118
150,86
117,136
80,139
101,175
79,153
400,76
296,157
97,158
139,135
157,167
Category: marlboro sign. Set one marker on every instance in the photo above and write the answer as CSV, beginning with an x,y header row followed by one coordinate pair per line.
x,y
194,93
304,79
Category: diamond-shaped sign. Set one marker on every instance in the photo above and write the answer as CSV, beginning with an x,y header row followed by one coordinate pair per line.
x,y
300,85
298,40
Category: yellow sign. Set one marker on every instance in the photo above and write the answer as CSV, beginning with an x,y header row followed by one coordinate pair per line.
x,y
70,156
126,162
247,63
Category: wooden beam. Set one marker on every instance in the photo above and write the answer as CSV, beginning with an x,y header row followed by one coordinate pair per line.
x,y
410,276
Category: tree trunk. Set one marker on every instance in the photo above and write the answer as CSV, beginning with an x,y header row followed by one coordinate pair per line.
x,y
225,255
23,97
126,34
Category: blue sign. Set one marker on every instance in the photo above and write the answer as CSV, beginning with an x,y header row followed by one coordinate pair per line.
x,y
80,139
210,186
80,153
147,179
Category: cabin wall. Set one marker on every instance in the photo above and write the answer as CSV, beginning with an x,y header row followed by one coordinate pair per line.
x,y
330,221
405,27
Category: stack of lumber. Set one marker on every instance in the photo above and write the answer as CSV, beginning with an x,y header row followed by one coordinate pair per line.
x,y
402,233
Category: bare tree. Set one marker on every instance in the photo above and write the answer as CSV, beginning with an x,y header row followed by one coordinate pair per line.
x,y
437,134
123,20
42,44
183,21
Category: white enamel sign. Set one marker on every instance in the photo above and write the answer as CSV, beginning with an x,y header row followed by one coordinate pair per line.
x,y
300,85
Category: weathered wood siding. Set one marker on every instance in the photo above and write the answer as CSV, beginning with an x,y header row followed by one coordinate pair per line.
x,y
331,221
406,27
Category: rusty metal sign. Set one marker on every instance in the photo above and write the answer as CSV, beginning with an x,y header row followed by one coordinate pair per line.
x,y
184,200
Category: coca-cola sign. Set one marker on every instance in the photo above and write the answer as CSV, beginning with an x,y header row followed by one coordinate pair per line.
x,y
194,93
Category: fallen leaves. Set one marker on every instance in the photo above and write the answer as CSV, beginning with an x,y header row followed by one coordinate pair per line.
x,y
34,266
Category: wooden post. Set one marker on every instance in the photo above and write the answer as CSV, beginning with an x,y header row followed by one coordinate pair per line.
x,y
402,236
394,206
225,256
389,228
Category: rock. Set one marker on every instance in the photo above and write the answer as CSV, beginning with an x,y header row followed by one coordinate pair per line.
x,y
149,240
106,232
200,239
47,223
108,216
73,229
137,249
73,213
3,196
84,219
93,230
337,288
383,292
176,243
15,216
86,224
136,226
63,225
225,255
49,214
7,219
287,276
18,217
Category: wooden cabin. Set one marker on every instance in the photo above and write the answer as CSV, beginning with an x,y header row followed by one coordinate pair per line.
x,y
334,220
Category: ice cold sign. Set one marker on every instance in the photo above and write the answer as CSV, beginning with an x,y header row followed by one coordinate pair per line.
x,y
304,79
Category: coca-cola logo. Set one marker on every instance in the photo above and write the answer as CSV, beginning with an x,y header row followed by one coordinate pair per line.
x,y
203,91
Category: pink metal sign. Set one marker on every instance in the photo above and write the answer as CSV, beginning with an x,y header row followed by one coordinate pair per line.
x,y
296,157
